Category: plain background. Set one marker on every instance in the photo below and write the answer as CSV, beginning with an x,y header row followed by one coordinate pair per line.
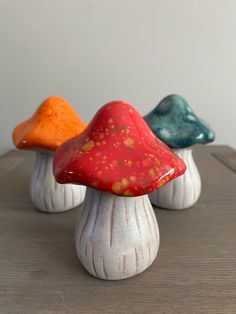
x,y
91,52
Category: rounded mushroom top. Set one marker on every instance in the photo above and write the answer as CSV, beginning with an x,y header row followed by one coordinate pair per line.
x,y
54,122
117,153
174,122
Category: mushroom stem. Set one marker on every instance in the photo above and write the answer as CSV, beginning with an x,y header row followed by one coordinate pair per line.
x,y
46,194
182,192
116,237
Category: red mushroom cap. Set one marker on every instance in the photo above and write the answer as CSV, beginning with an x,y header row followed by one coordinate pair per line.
x,y
117,153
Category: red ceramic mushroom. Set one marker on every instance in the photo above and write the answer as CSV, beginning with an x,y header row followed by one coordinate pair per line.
x,y
120,160
54,122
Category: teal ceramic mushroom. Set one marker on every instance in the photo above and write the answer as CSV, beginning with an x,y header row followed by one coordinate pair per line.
x,y
174,122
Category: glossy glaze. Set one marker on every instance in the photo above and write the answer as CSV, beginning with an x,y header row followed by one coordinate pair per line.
x,y
54,122
174,122
117,153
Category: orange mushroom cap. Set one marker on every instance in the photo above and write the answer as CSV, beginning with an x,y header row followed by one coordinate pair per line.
x,y
54,122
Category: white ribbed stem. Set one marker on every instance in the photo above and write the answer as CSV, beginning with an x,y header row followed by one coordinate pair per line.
x,y
116,237
182,192
49,196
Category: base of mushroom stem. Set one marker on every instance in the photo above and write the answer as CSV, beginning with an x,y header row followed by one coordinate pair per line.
x,y
116,237
49,196
184,191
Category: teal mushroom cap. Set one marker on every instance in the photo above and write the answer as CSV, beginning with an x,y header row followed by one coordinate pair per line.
x,y
174,122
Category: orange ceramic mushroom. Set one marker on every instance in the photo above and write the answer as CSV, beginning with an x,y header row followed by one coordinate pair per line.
x,y
54,122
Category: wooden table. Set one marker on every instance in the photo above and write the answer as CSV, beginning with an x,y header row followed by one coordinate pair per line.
x,y
195,271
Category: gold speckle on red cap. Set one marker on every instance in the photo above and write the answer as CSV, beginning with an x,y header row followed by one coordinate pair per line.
x,y
113,161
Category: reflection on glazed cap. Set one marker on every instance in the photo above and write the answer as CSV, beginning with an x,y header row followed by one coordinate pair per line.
x,y
174,122
117,153
54,122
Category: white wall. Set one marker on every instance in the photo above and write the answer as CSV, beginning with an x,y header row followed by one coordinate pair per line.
x,y
94,51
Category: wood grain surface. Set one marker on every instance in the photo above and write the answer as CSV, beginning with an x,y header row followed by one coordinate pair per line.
x,y
195,271
227,157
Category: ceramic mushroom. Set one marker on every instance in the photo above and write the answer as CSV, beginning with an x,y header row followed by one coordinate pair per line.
x,y
175,124
120,161
54,122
